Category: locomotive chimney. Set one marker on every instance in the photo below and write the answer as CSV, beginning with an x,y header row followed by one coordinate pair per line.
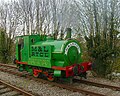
x,y
68,30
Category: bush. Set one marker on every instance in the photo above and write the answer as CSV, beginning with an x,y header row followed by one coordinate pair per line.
x,y
6,47
106,59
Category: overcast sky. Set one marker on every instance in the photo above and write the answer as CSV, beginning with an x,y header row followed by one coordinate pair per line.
x,y
4,1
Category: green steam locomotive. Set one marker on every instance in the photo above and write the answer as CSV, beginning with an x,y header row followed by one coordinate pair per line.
x,y
41,55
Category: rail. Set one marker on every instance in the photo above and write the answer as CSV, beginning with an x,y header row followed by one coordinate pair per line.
x,y
13,88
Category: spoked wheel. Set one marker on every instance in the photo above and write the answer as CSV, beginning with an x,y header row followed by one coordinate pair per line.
x,y
36,74
50,77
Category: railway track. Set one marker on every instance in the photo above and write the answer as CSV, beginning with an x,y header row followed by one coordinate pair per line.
x,y
7,89
64,86
6,65
97,84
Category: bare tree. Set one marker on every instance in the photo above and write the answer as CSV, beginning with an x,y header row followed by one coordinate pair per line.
x,y
3,16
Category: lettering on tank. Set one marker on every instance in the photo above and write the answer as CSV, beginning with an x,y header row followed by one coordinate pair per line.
x,y
40,51
70,45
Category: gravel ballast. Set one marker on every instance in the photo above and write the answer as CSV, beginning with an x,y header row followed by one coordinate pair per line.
x,y
37,87
49,90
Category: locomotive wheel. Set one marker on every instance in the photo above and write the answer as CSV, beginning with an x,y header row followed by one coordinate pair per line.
x,y
50,77
36,74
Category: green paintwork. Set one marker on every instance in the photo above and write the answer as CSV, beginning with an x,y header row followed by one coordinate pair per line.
x,y
44,52
40,56
25,48
57,73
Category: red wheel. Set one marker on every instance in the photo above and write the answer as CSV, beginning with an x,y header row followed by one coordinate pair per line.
x,y
35,74
50,77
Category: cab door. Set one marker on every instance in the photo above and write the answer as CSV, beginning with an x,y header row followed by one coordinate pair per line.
x,y
19,48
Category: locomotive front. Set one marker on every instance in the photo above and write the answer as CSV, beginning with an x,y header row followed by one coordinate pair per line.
x,y
72,52
66,56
